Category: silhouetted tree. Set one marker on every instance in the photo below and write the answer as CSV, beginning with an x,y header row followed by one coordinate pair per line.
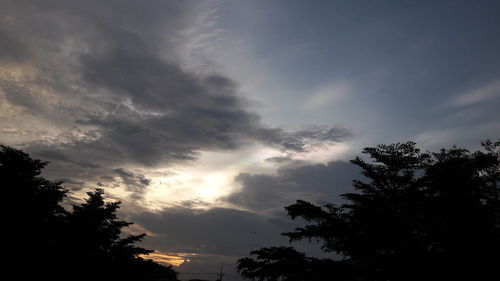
x,y
418,216
102,250
31,214
43,241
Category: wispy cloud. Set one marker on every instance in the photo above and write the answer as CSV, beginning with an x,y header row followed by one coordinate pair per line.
x,y
482,94
326,95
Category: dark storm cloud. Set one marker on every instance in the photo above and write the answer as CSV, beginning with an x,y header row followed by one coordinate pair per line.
x,y
319,183
217,237
218,231
11,49
58,156
19,95
279,160
134,182
302,140
132,177
108,69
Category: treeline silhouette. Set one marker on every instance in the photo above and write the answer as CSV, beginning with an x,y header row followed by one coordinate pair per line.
x,y
415,216
43,241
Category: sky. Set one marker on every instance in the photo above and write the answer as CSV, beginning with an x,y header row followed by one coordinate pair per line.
x,y
207,117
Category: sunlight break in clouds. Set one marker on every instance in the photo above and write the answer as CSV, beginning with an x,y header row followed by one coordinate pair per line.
x,y
212,177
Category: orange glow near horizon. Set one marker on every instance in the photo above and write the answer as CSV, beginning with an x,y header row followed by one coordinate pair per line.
x,y
174,259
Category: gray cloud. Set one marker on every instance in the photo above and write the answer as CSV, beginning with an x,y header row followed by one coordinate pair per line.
x,y
279,159
133,181
218,231
217,237
11,50
302,140
105,74
318,183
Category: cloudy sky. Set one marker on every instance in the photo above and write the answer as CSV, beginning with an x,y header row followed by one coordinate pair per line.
x,y
206,118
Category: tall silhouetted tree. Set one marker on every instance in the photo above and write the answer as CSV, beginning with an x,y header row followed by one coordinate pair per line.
x,y
102,251
31,214
418,216
43,241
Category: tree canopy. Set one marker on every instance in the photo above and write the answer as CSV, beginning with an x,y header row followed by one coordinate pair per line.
x,y
416,216
43,241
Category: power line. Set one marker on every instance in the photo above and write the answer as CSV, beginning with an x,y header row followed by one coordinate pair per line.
x,y
219,274
214,273
197,273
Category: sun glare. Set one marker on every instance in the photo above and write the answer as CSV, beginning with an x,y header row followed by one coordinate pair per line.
x,y
212,186
213,176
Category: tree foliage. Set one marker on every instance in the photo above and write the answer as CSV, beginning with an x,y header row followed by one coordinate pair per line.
x,y
417,216
43,241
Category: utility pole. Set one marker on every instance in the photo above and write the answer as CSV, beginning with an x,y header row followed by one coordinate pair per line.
x,y
220,274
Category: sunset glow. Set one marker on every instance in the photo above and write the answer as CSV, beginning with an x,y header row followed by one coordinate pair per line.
x,y
174,259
